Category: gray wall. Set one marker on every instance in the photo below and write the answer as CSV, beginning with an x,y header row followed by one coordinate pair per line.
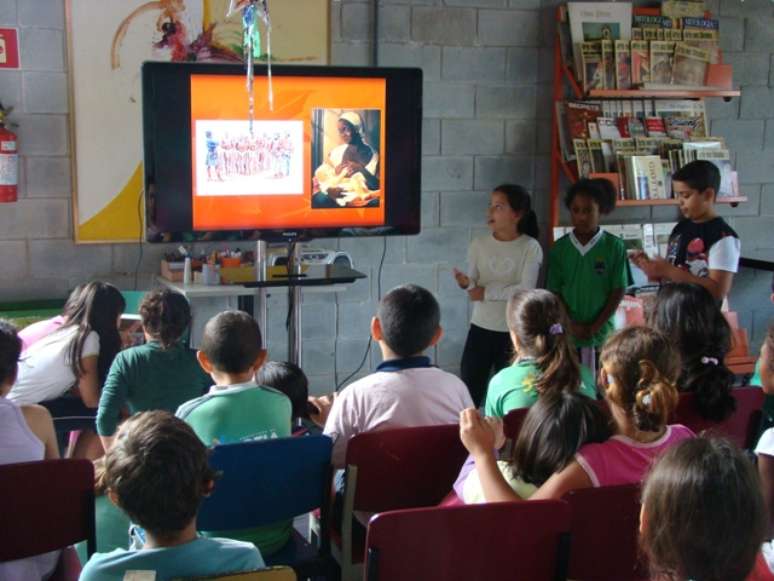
x,y
487,69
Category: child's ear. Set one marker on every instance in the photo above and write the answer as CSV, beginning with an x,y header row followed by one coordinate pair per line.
x,y
376,329
209,487
204,362
436,336
260,360
113,497
710,194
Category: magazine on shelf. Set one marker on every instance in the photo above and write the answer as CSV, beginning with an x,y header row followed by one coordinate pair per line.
x,y
598,164
640,62
700,23
655,127
645,176
682,8
582,157
722,160
608,58
690,65
661,62
608,129
706,39
595,21
623,65
593,66
684,128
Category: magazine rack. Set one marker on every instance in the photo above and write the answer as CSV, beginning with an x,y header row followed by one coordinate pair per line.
x,y
564,77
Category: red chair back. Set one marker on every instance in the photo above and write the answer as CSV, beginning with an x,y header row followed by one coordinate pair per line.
x,y
741,427
512,422
605,525
492,542
405,467
51,506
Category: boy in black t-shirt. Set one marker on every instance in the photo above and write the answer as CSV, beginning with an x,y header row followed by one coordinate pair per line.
x,y
703,249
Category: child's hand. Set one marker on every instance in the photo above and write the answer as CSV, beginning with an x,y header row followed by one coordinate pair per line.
x,y
476,434
497,427
476,293
463,280
323,406
637,256
656,268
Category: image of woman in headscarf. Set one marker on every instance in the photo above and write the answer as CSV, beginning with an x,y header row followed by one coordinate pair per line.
x,y
349,175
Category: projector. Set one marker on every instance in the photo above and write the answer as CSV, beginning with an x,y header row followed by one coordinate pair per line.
x,y
278,256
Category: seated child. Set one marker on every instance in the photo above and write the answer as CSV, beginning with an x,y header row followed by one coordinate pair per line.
x,y
765,448
639,367
159,375
157,472
702,513
406,389
26,435
33,333
690,316
545,361
288,378
237,409
555,427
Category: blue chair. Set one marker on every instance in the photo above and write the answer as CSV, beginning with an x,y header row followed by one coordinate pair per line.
x,y
270,481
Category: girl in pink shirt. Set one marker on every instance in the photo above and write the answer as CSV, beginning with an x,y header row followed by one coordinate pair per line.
x,y
639,368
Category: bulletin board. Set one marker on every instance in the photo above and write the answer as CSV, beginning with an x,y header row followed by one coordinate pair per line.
x,y
107,43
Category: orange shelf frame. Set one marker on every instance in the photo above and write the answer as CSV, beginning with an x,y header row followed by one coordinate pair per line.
x,y
673,202
660,94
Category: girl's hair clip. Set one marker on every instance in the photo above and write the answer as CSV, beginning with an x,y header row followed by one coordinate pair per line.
x,y
556,329
710,360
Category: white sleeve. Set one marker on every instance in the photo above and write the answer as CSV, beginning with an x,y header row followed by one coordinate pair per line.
x,y
340,427
499,291
724,254
90,345
766,443
473,273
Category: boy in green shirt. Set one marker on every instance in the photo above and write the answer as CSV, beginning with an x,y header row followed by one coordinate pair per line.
x,y
237,409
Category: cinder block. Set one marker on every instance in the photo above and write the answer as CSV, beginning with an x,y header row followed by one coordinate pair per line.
x,y
360,290
431,136
508,27
755,234
430,204
759,33
13,257
540,205
542,179
414,2
471,137
425,57
525,4
47,177
520,137
473,64
767,200
619,215
720,109
449,100
757,103
395,22
447,173
419,274
445,26
355,320
447,285
768,139
749,208
356,54
318,321
740,135
464,209
545,73
42,49
42,134
11,90
454,315
491,171
356,21
449,351
45,92
544,101
125,257
36,218
522,68
756,168
547,24
320,384
367,252
732,36
749,68
28,288
349,355
42,13
335,21
8,13
506,102
748,8
437,245
62,258
543,136
477,3
317,355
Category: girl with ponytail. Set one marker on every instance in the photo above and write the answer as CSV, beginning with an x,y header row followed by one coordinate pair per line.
x,y
689,315
639,369
499,264
545,360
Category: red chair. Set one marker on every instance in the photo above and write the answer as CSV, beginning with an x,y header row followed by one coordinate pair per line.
x,y
741,427
51,506
492,542
604,530
394,469
512,422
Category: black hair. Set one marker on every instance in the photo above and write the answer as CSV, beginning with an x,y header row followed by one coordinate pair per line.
x,y
288,378
231,341
165,315
554,429
699,175
72,301
409,317
598,189
689,315
158,469
10,349
520,201
96,308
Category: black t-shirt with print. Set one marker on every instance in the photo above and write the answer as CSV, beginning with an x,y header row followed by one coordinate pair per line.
x,y
690,243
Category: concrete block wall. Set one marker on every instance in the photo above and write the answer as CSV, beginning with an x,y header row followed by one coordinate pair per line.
x,y
487,90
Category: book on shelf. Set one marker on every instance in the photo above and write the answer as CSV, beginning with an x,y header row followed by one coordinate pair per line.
x,y
635,127
684,128
650,34
690,65
706,39
582,157
598,164
655,127
645,178
593,66
623,65
661,53
722,160
682,8
608,130
636,33
573,123
651,21
608,59
640,62
595,21
648,145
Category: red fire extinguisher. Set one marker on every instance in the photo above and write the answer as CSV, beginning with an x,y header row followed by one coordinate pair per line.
x,y
9,160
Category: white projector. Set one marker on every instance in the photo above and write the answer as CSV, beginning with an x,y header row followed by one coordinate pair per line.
x,y
278,256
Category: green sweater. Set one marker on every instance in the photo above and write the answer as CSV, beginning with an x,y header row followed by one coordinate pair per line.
x,y
148,377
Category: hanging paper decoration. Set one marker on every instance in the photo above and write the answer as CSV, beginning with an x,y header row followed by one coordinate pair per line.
x,y
252,10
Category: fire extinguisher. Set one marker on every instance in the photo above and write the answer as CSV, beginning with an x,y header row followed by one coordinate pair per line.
x,y
9,160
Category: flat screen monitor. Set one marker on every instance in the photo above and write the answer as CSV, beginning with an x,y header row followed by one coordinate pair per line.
x,y
337,152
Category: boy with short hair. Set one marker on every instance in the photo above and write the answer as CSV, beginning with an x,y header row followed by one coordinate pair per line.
x,y
405,390
703,248
237,409
157,472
